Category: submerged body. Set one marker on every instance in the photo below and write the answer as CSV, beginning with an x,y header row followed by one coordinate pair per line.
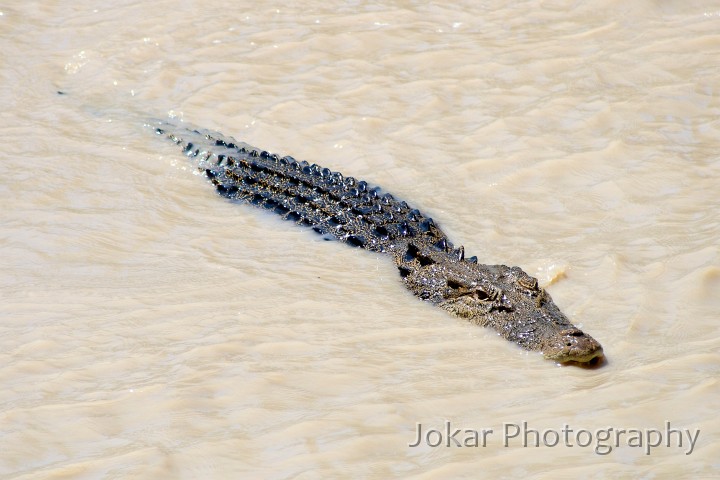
x,y
504,298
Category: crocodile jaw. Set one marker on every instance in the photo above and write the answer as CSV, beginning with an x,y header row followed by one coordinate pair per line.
x,y
573,345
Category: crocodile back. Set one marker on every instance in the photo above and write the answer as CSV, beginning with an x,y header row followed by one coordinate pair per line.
x,y
339,207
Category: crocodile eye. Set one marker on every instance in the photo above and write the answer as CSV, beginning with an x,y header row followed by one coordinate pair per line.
x,y
487,294
528,282
481,295
454,285
472,291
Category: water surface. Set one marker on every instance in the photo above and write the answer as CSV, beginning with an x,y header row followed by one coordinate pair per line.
x,y
150,329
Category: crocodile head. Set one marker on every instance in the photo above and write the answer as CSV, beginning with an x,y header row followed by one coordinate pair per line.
x,y
508,300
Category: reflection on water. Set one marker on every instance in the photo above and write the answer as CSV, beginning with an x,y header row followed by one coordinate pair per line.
x,y
151,329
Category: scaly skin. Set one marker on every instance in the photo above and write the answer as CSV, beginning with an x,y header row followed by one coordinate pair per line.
x,y
497,296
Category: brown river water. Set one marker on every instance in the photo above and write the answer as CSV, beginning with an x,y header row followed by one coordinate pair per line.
x,y
151,329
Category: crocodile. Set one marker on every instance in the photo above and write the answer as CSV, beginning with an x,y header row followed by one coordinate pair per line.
x,y
359,214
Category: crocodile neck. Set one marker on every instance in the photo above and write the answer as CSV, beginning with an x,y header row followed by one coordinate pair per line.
x,y
354,212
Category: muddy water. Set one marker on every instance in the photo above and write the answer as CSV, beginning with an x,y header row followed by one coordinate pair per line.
x,y
149,329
